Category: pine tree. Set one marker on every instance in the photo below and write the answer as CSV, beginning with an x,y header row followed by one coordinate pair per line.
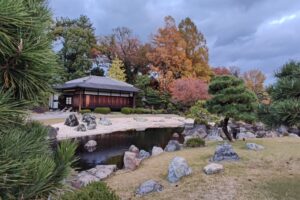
x,y
116,70
285,95
231,99
29,168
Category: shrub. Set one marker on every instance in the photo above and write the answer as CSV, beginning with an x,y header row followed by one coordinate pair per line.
x,y
94,191
201,115
160,111
127,110
85,111
195,142
102,110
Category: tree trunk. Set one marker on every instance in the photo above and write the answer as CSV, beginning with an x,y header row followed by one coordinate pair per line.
x,y
225,130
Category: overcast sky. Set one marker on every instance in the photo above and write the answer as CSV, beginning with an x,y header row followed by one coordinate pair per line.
x,y
250,34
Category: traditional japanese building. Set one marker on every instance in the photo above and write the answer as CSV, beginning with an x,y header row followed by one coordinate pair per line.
x,y
93,91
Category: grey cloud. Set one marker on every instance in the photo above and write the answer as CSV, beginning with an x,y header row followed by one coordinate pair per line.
x,y
238,32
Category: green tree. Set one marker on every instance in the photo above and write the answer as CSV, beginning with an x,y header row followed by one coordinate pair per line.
x,y
78,42
285,98
116,70
29,168
231,99
97,71
26,57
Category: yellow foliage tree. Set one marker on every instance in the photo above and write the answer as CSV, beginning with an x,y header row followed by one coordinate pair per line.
x,y
117,70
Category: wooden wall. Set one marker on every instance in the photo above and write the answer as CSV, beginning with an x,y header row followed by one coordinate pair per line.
x,y
93,101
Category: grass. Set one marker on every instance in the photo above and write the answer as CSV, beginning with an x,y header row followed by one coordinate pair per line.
x,y
273,173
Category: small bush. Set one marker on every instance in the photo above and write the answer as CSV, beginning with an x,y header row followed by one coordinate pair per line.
x,y
160,111
127,110
102,110
85,111
201,115
94,191
195,142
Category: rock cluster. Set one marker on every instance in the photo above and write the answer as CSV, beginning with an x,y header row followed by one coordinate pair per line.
x,y
133,157
97,173
72,120
225,152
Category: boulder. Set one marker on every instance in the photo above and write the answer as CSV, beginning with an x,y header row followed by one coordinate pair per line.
x,y
271,134
81,128
143,154
156,151
91,145
293,135
87,118
52,132
254,147
131,161
105,122
245,135
294,130
261,134
175,136
178,168
148,187
189,123
134,149
225,152
83,179
213,168
91,125
72,120
98,173
283,130
173,145
259,126
102,171
214,135
198,131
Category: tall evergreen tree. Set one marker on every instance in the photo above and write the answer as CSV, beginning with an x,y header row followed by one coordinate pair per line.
x,y
78,42
285,95
231,99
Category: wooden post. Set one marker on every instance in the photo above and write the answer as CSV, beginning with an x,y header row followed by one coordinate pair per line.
x,y
80,101
133,103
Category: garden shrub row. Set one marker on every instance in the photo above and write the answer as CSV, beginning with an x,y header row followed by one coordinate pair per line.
x,y
128,110
101,110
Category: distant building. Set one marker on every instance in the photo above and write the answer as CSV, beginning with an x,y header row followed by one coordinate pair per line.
x,y
93,91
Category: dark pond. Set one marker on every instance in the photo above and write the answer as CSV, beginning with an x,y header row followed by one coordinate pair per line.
x,y
111,147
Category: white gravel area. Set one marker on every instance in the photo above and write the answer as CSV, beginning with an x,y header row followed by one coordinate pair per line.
x,y
122,124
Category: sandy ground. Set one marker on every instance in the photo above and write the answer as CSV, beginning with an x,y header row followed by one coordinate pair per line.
x,y
122,123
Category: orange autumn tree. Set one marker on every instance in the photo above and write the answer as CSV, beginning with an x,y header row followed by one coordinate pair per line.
x,y
188,90
196,49
168,57
254,80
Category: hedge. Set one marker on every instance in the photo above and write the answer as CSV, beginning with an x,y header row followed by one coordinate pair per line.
x,y
102,110
85,111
